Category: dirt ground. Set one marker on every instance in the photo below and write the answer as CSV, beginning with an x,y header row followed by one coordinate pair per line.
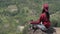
x,y
56,31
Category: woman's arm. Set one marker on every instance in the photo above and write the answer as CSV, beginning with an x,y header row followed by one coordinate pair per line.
x,y
38,21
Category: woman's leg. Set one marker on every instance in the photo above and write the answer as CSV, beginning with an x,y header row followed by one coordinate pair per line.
x,y
42,27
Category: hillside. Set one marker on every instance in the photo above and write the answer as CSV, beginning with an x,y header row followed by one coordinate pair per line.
x,y
15,13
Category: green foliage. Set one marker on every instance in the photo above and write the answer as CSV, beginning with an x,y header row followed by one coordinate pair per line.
x,y
19,12
55,19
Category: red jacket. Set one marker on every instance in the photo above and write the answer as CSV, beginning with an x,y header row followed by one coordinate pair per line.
x,y
42,19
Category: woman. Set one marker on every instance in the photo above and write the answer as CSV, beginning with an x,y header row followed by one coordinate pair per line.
x,y
44,18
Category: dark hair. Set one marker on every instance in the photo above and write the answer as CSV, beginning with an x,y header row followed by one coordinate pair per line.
x,y
47,14
43,11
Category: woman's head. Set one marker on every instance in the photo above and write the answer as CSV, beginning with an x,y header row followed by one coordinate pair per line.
x,y
45,10
45,7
